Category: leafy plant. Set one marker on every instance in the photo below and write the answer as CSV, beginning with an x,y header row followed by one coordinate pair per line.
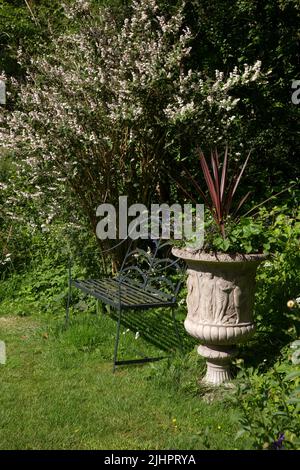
x,y
270,403
267,232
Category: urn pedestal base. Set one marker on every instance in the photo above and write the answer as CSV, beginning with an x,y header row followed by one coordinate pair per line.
x,y
218,361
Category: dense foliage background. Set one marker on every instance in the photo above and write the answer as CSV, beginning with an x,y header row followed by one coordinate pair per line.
x,y
223,35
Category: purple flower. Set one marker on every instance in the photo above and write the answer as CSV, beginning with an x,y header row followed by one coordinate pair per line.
x,y
277,445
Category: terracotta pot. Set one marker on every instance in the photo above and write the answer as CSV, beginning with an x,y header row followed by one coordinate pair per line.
x,y
220,302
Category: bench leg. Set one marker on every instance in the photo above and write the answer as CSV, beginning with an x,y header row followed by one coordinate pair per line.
x,y
117,341
67,317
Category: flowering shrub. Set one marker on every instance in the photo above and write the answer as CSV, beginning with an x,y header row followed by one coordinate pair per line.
x,y
100,108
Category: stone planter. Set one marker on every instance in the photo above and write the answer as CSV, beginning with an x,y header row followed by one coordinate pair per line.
x,y
220,302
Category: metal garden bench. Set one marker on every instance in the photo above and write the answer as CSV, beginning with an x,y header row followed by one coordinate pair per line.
x,y
147,283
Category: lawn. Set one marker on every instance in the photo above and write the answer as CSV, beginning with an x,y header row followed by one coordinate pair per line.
x,y
58,391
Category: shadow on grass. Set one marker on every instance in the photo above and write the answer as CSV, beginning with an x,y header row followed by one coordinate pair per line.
x,y
274,324
158,328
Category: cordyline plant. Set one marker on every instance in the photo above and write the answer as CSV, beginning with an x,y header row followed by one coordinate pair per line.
x,y
221,188
221,193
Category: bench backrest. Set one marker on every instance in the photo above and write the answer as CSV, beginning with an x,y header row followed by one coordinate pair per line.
x,y
152,267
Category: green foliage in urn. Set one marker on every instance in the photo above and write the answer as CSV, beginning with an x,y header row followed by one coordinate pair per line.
x,y
269,231
260,229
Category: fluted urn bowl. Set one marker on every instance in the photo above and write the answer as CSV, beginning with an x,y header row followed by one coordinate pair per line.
x,y
220,301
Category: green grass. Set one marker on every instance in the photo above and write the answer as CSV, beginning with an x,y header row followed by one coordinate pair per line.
x,y
57,391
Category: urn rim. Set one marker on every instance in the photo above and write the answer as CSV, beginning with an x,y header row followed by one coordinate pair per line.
x,y
219,257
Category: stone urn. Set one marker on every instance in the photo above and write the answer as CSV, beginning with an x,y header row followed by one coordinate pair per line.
x,y
220,302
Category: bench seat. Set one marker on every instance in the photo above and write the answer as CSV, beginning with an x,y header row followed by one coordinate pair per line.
x,y
123,294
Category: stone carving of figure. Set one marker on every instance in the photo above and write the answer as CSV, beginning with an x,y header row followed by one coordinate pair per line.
x,y
200,296
237,295
207,288
194,293
242,294
225,311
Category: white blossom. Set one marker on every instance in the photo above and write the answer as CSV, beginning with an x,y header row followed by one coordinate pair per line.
x,y
97,99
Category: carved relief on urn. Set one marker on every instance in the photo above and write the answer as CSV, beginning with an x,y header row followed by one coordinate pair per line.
x,y
220,306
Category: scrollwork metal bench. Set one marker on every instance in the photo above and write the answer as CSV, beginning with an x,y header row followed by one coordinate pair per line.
x,y
148,283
